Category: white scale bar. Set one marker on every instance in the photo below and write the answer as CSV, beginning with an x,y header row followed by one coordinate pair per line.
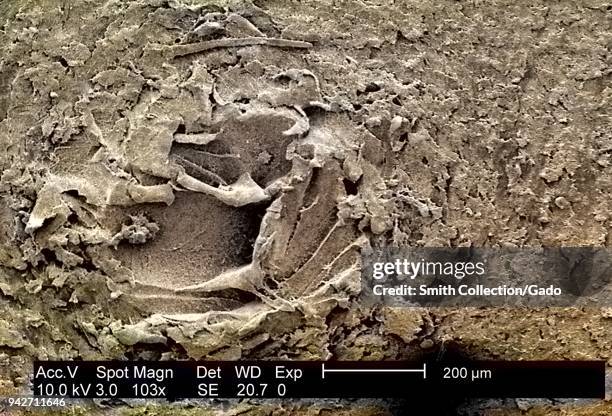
x,y
374,370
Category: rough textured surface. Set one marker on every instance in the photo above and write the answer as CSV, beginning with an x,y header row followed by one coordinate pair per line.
x,y
196,179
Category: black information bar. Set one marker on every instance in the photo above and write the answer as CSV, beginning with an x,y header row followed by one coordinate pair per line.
x,y
175,380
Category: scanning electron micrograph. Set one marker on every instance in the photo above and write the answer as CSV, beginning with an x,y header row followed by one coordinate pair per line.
x,y
192,180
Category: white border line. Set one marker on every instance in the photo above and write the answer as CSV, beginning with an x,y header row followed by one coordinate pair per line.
x,y
374,370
